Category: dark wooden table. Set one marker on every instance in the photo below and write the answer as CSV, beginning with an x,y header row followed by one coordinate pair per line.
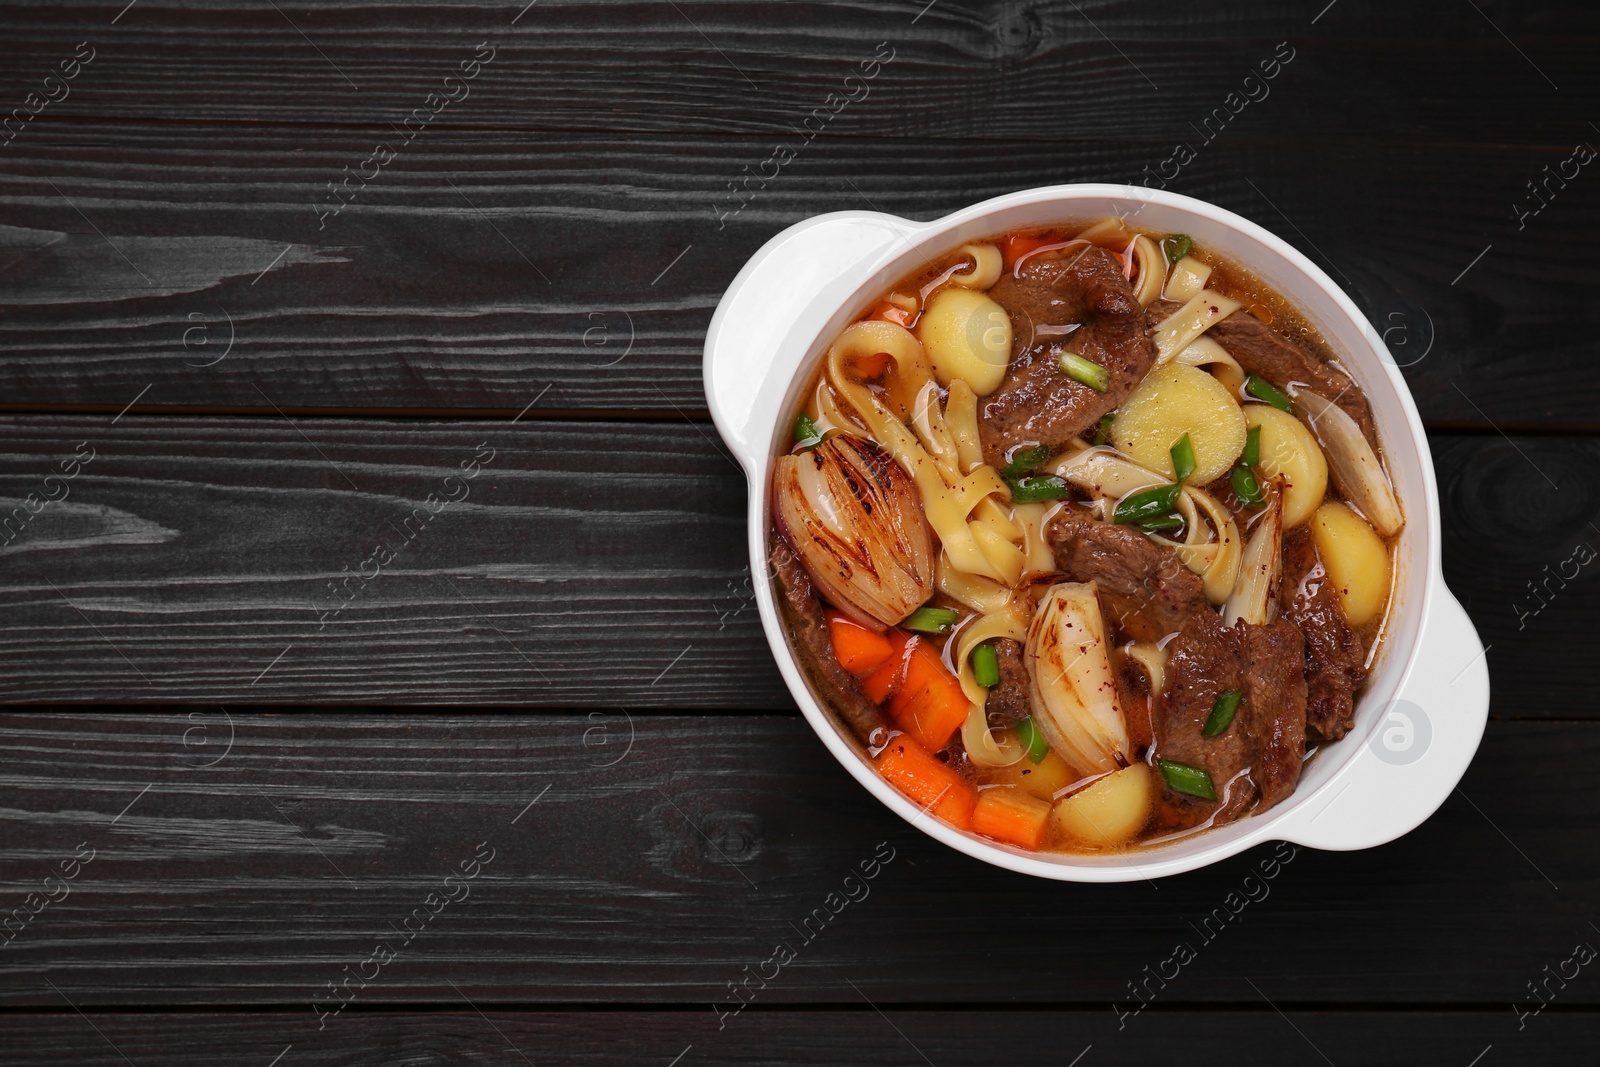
x,y
275,276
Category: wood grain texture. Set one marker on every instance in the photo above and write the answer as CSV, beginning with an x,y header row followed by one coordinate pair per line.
x,y
478,265
898,1036
588,564
584,563
963,69
663,855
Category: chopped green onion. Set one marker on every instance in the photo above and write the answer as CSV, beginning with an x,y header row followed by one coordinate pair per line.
x,y
1033,742
1266,392
932,620
1039,487
1176,246
805,432
1245,486
1222,713
1252,447
1186,779
985,666
1182,459
1170,521
1147,504
1102,429
1086,371
1024,461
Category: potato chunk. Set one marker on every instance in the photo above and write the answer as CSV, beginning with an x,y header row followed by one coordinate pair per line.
x,y
967,336
1043,779
1174,400
1288,451
1356,559
1108,812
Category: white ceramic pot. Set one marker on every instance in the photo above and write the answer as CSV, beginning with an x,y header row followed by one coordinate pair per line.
x,y
1423,710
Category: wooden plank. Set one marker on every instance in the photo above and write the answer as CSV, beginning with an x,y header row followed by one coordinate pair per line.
x,y
480,265
588,564
250,559
1095,69
661,859
899,1035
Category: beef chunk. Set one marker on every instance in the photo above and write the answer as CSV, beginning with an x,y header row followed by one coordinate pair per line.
x,y
1008,701
1335,660
1264,351
1204,660
1133,697
1037,403
814,648
1255,762
1273,711
1144,588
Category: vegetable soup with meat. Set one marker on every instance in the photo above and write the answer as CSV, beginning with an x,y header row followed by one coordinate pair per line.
x,y
1086,536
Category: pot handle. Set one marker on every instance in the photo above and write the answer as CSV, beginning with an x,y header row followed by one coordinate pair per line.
x,y
755,343
1420,750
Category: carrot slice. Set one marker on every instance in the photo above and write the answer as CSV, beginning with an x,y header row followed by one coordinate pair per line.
x,y
1008,814
922,667
858,649
924,698
907,766
889,677
1017,246
929,704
